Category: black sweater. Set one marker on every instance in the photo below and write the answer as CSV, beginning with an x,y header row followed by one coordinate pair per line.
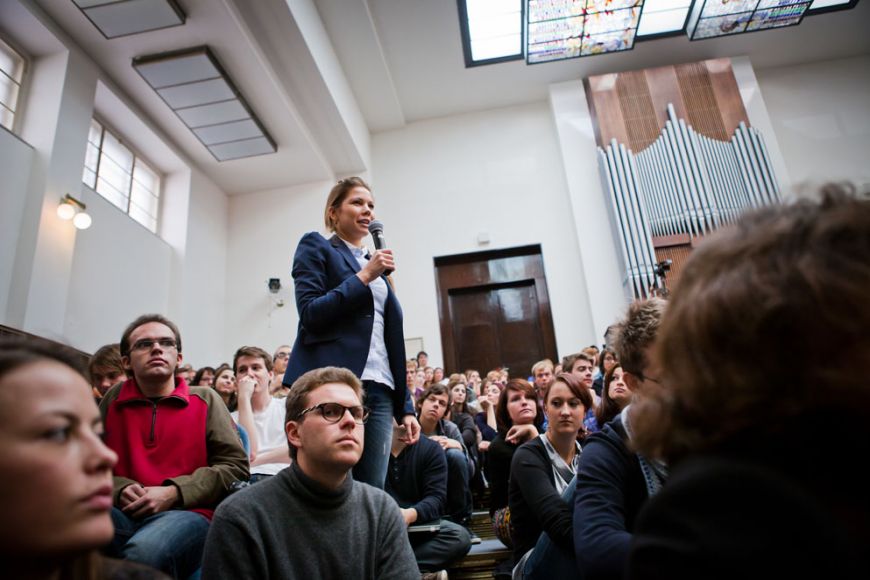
x,y
535,504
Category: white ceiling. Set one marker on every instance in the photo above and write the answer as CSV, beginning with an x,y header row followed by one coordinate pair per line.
x,y
323,74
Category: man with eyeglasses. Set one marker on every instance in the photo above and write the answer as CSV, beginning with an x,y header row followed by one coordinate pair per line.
x,y
313,520
178,452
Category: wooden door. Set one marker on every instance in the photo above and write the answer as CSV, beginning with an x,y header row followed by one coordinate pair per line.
x,y
494,310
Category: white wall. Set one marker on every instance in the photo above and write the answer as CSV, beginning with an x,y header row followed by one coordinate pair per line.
x,y
120,270
264,228
821,115
441,182
16,162
84,287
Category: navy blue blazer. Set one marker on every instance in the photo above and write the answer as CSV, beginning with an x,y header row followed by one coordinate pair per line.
x,y
336,316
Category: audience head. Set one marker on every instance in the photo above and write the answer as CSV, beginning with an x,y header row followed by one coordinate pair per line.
x,y
434,403
204,377
518,405
615,396
422,359
542,371
319,432
566,404
254,362
225,381
787,288
429,372
437,375
608,359
106,368
419,378
151,349
580,365
57,473
459,395
491,390
280,359
633,340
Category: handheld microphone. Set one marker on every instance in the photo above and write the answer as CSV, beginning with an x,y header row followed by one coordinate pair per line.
x,y
376,229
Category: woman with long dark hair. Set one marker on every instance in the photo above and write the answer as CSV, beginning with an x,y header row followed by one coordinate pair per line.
x,y
350,317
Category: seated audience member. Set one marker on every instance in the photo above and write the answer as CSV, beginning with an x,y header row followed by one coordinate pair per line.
x,y
106,369
580,365
417,480
185,372
542,481
178,452
428,374
519,420
542,371
431,408
261,414
606,362
204,377
460,415
279,367
615,396
313,520
485,420
614,482
592,352
422,359
438,376
765,481
57,472
419,384
225,385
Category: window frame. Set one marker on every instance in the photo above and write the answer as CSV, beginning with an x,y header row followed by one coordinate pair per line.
x,y
17,112
137,158
466,38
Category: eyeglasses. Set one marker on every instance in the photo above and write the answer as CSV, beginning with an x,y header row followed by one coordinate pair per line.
x,y
148,343
333,412
282,355
642,377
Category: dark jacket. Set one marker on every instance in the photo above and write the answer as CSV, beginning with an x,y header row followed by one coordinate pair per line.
x,y
498,471
336,316
610,492
417,479
535,504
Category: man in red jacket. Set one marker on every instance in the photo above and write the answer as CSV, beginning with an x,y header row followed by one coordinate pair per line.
x,y
178,452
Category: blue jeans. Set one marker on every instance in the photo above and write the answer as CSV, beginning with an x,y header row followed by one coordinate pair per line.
x,y
548,560
171,541
372,466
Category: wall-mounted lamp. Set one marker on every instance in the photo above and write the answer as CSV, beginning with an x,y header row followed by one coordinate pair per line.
x,y
72,209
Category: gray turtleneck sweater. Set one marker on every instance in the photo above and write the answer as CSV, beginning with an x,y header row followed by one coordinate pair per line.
x,y
291,527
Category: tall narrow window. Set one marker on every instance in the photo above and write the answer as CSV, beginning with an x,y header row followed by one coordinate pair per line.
x,y
11,77
114,171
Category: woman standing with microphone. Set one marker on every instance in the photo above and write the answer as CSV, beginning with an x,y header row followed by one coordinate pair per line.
x,y
350,317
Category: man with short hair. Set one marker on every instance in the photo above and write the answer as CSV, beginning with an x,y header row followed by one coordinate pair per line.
x,y
279,366
313,520
185,372
614,482
581,366
542,371
422,359
417,480
432,406
261,414
178,452
106,369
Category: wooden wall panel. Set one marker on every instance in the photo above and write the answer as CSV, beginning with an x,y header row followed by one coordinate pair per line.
x,y
632,106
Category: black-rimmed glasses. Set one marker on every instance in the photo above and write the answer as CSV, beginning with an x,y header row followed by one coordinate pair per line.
x,y
148,343
333,412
